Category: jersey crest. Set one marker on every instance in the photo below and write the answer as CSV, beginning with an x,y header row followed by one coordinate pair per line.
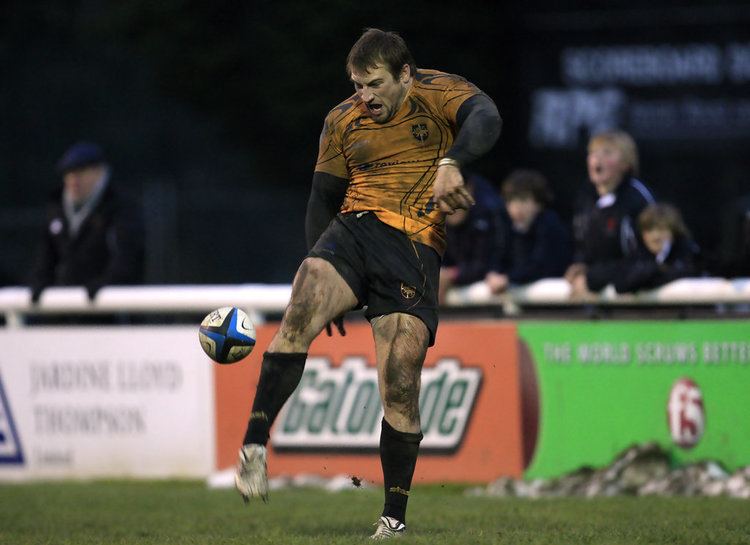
x,y
420,132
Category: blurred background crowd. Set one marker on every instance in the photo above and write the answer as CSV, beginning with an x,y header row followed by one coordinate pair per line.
x,y
174,141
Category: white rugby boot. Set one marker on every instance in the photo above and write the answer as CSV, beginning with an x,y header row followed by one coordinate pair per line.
x,y
251,479
387,528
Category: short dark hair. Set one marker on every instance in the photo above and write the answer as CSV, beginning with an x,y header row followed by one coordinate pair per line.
x,y
377,46
663,215
523,183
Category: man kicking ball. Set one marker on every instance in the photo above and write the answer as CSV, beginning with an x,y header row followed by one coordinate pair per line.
x,y
388,171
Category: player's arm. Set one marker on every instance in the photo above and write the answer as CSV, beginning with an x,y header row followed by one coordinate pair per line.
x,y
326,196
331,177
479,124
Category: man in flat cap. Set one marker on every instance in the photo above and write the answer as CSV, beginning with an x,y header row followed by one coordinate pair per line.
x,y
93,236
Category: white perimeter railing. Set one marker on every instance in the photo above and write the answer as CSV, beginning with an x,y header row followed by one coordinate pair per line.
x,y
258,299
556,292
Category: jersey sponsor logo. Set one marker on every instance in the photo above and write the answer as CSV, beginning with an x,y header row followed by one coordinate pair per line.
x,y
408,292
383,164
10,444
339,407
420,132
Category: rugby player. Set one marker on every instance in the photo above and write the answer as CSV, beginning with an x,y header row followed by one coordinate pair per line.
x,y
388,170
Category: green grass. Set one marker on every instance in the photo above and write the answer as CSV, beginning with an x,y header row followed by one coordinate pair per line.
x,y
186,512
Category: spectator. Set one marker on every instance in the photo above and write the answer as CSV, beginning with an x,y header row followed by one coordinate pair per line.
x,y
604,226
668,253
471,235
93,237
536,244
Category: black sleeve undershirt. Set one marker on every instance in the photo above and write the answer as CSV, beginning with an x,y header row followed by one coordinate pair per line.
x,y
479,124
326,196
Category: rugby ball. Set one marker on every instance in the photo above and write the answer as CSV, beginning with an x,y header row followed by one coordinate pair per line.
x,y
227,335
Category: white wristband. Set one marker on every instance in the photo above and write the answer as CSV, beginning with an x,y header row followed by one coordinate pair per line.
x,y
448,161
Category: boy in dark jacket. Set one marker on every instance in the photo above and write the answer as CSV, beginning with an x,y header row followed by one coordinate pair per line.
x,y
668,253
535,244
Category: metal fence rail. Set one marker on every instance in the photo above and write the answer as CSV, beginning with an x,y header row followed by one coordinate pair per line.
x,y
258,299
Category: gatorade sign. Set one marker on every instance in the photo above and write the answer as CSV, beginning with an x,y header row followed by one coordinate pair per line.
x,y
470,407
339,407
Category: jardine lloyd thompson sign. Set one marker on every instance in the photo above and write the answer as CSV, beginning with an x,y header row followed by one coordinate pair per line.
x,y
339,407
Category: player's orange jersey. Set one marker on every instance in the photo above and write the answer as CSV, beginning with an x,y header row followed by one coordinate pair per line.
x,y
391,166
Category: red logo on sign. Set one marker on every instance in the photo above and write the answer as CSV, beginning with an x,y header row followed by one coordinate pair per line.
x,y
685,413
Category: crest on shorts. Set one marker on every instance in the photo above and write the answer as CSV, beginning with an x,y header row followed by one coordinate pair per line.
x,y
408,292
420,132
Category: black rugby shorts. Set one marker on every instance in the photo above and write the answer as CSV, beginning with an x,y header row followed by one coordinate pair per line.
x,y
386,270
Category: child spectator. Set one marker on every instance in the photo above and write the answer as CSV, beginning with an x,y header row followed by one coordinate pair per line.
x,y
471,236
535,243
668,253
604,226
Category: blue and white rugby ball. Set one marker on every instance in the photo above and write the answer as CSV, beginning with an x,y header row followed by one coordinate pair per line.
x,y
227,335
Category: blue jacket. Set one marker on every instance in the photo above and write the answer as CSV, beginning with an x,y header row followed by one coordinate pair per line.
x,y
544,251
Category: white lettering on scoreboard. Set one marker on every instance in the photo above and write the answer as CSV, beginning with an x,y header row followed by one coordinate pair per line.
x,y
339,407
646,89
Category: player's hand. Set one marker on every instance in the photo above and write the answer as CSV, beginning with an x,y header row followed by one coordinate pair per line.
x,y
339,323
449,191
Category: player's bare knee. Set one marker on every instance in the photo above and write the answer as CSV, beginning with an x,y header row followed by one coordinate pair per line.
x,y
299,317
401,398
296,322
401,381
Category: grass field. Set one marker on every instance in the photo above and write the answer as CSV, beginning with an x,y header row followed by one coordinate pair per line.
x,y
187,512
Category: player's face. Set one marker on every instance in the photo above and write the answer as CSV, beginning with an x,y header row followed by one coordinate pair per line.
x,y
523,211
656,238
80,183
381,93
606,166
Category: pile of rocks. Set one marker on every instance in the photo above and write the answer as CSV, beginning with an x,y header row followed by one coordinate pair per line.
x,y
641,470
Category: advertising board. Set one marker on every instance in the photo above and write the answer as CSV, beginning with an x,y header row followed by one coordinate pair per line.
x,y
104,402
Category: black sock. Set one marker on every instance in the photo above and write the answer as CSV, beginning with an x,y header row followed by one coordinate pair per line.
x,y
280,374
398,456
